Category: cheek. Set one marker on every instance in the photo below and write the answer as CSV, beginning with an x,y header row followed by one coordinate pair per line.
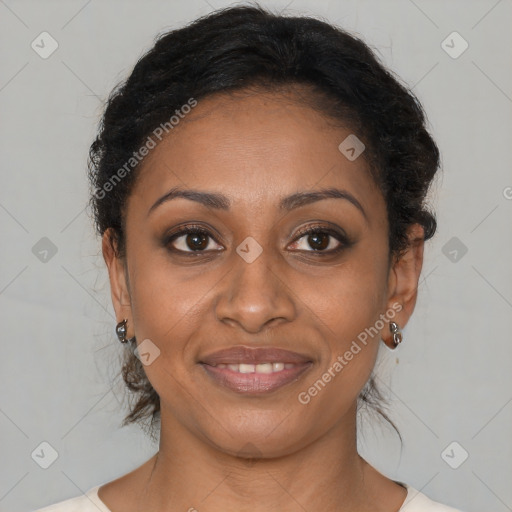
x,y
345,307
166,300
170,305
348,298
168,310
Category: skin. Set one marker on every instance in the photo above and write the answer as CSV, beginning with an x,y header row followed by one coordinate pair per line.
x,y
257,149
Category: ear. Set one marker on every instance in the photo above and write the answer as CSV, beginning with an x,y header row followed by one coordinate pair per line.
x,y
403,281
119,286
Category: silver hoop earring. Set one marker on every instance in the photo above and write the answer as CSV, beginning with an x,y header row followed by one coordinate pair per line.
x,y
121,332
397,333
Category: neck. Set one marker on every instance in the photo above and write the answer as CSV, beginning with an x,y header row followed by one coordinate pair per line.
x,y
191,473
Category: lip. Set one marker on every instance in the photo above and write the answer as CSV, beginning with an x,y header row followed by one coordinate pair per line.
x,y
256,383
246,355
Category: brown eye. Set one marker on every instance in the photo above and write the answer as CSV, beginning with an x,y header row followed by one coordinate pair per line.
x,y
189,240
318,241
196,241
321,240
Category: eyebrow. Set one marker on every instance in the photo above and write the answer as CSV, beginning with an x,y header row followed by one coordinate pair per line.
x,y
221,202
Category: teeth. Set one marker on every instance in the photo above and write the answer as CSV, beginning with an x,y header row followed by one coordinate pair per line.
x,y
264,368
257,368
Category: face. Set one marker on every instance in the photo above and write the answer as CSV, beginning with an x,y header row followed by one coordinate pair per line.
x,y
247,274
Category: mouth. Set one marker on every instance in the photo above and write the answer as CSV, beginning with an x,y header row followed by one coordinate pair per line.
x,y
255,371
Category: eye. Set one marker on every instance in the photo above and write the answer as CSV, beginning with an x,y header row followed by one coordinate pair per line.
x,y
316,239
321,240
190,239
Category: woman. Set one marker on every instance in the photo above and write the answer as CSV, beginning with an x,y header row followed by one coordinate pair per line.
x,y
259,183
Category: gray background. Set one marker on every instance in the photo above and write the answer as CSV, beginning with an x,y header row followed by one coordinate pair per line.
x,y
449,381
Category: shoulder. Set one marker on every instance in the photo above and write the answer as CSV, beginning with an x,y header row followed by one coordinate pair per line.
x,y
119,493
416,501
88,502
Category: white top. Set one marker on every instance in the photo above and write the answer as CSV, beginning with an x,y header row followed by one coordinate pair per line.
x,y
415,501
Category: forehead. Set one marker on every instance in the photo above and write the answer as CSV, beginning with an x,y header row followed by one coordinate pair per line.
x,y
254,147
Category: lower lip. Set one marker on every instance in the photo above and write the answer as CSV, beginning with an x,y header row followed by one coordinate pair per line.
x,y
255,382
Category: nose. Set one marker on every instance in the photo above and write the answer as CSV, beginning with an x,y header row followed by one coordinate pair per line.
x,y
255,295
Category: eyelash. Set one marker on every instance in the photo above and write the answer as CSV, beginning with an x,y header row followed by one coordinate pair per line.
x,y
310,230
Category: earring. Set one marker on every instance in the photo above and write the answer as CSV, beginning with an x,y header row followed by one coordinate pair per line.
x,y
121,332
397,333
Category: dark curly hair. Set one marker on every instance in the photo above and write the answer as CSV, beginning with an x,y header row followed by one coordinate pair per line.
x,y
246,47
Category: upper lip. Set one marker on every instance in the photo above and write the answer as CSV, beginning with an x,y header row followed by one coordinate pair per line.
x,y
247,355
